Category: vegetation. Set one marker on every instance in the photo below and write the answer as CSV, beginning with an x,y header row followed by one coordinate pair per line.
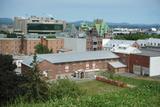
x,y
36,87
65,88
32,86
135,36
96,87
145,94
50,36
35,92
41,49
9,35
9,80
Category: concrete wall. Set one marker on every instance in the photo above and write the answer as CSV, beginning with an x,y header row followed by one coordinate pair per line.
x,y
75,44
154,66
104,41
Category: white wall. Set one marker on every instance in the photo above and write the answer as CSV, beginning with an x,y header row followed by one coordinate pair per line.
x,y
154,66
104,41
75,44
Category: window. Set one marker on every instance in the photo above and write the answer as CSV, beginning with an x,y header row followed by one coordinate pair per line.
x,y
93,65
66,68
95,43
87,65
45,73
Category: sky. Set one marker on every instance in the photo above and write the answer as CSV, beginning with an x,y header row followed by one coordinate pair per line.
x,y
116,11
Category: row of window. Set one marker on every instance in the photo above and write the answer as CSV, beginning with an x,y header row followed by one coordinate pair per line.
x,y
152,44
67,67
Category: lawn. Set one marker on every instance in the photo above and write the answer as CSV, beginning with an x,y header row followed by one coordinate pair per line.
x,y
145,94
96,87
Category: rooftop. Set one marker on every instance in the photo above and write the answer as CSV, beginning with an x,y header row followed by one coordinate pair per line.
x,y
72,57
117,64
112,42
147,52
125,49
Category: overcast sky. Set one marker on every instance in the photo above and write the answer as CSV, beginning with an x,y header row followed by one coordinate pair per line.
x,y
131,11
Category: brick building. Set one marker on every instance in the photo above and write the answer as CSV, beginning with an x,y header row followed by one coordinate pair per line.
x,y
140,62
73,64
16,46
10,45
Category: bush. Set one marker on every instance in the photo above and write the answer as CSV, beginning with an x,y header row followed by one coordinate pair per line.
x,y
64,88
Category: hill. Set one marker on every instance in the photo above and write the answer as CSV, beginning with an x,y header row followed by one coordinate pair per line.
x,y
6,21
121,25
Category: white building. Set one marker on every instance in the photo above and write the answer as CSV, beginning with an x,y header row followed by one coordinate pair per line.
x,y
151,42
108,44
75,44
125,48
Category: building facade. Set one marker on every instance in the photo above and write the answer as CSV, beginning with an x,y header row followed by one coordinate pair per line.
x,y
108,44
78,64
142,62
10,45
17,46
40,25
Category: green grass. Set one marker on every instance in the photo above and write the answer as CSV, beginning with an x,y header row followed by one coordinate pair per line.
x,y
145,94
96,87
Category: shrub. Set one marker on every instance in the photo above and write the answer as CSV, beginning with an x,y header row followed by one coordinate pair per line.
x,y
64,88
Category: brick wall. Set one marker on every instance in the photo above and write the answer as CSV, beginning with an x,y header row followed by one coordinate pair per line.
x,y
133,59
10,46
124,58
70,67
14,46
138,60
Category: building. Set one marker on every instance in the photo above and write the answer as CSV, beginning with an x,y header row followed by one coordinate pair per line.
x,y
74,64
17,46
140,62
75,44
108,44
40,25
145,63
10,45
95,35
151,42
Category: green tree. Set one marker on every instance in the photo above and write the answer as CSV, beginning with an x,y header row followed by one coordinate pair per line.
x,y
51,36
9,80
136,36
41,49
37,87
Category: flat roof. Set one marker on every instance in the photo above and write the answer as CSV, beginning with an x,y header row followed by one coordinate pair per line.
x,y
73,57
117,64
150,53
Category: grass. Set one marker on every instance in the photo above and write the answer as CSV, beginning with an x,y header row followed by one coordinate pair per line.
x,y
145,94
96,87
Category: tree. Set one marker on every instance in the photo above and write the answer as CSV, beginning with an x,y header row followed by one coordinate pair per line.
x,y
37,87
41,49
51,36
9,80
